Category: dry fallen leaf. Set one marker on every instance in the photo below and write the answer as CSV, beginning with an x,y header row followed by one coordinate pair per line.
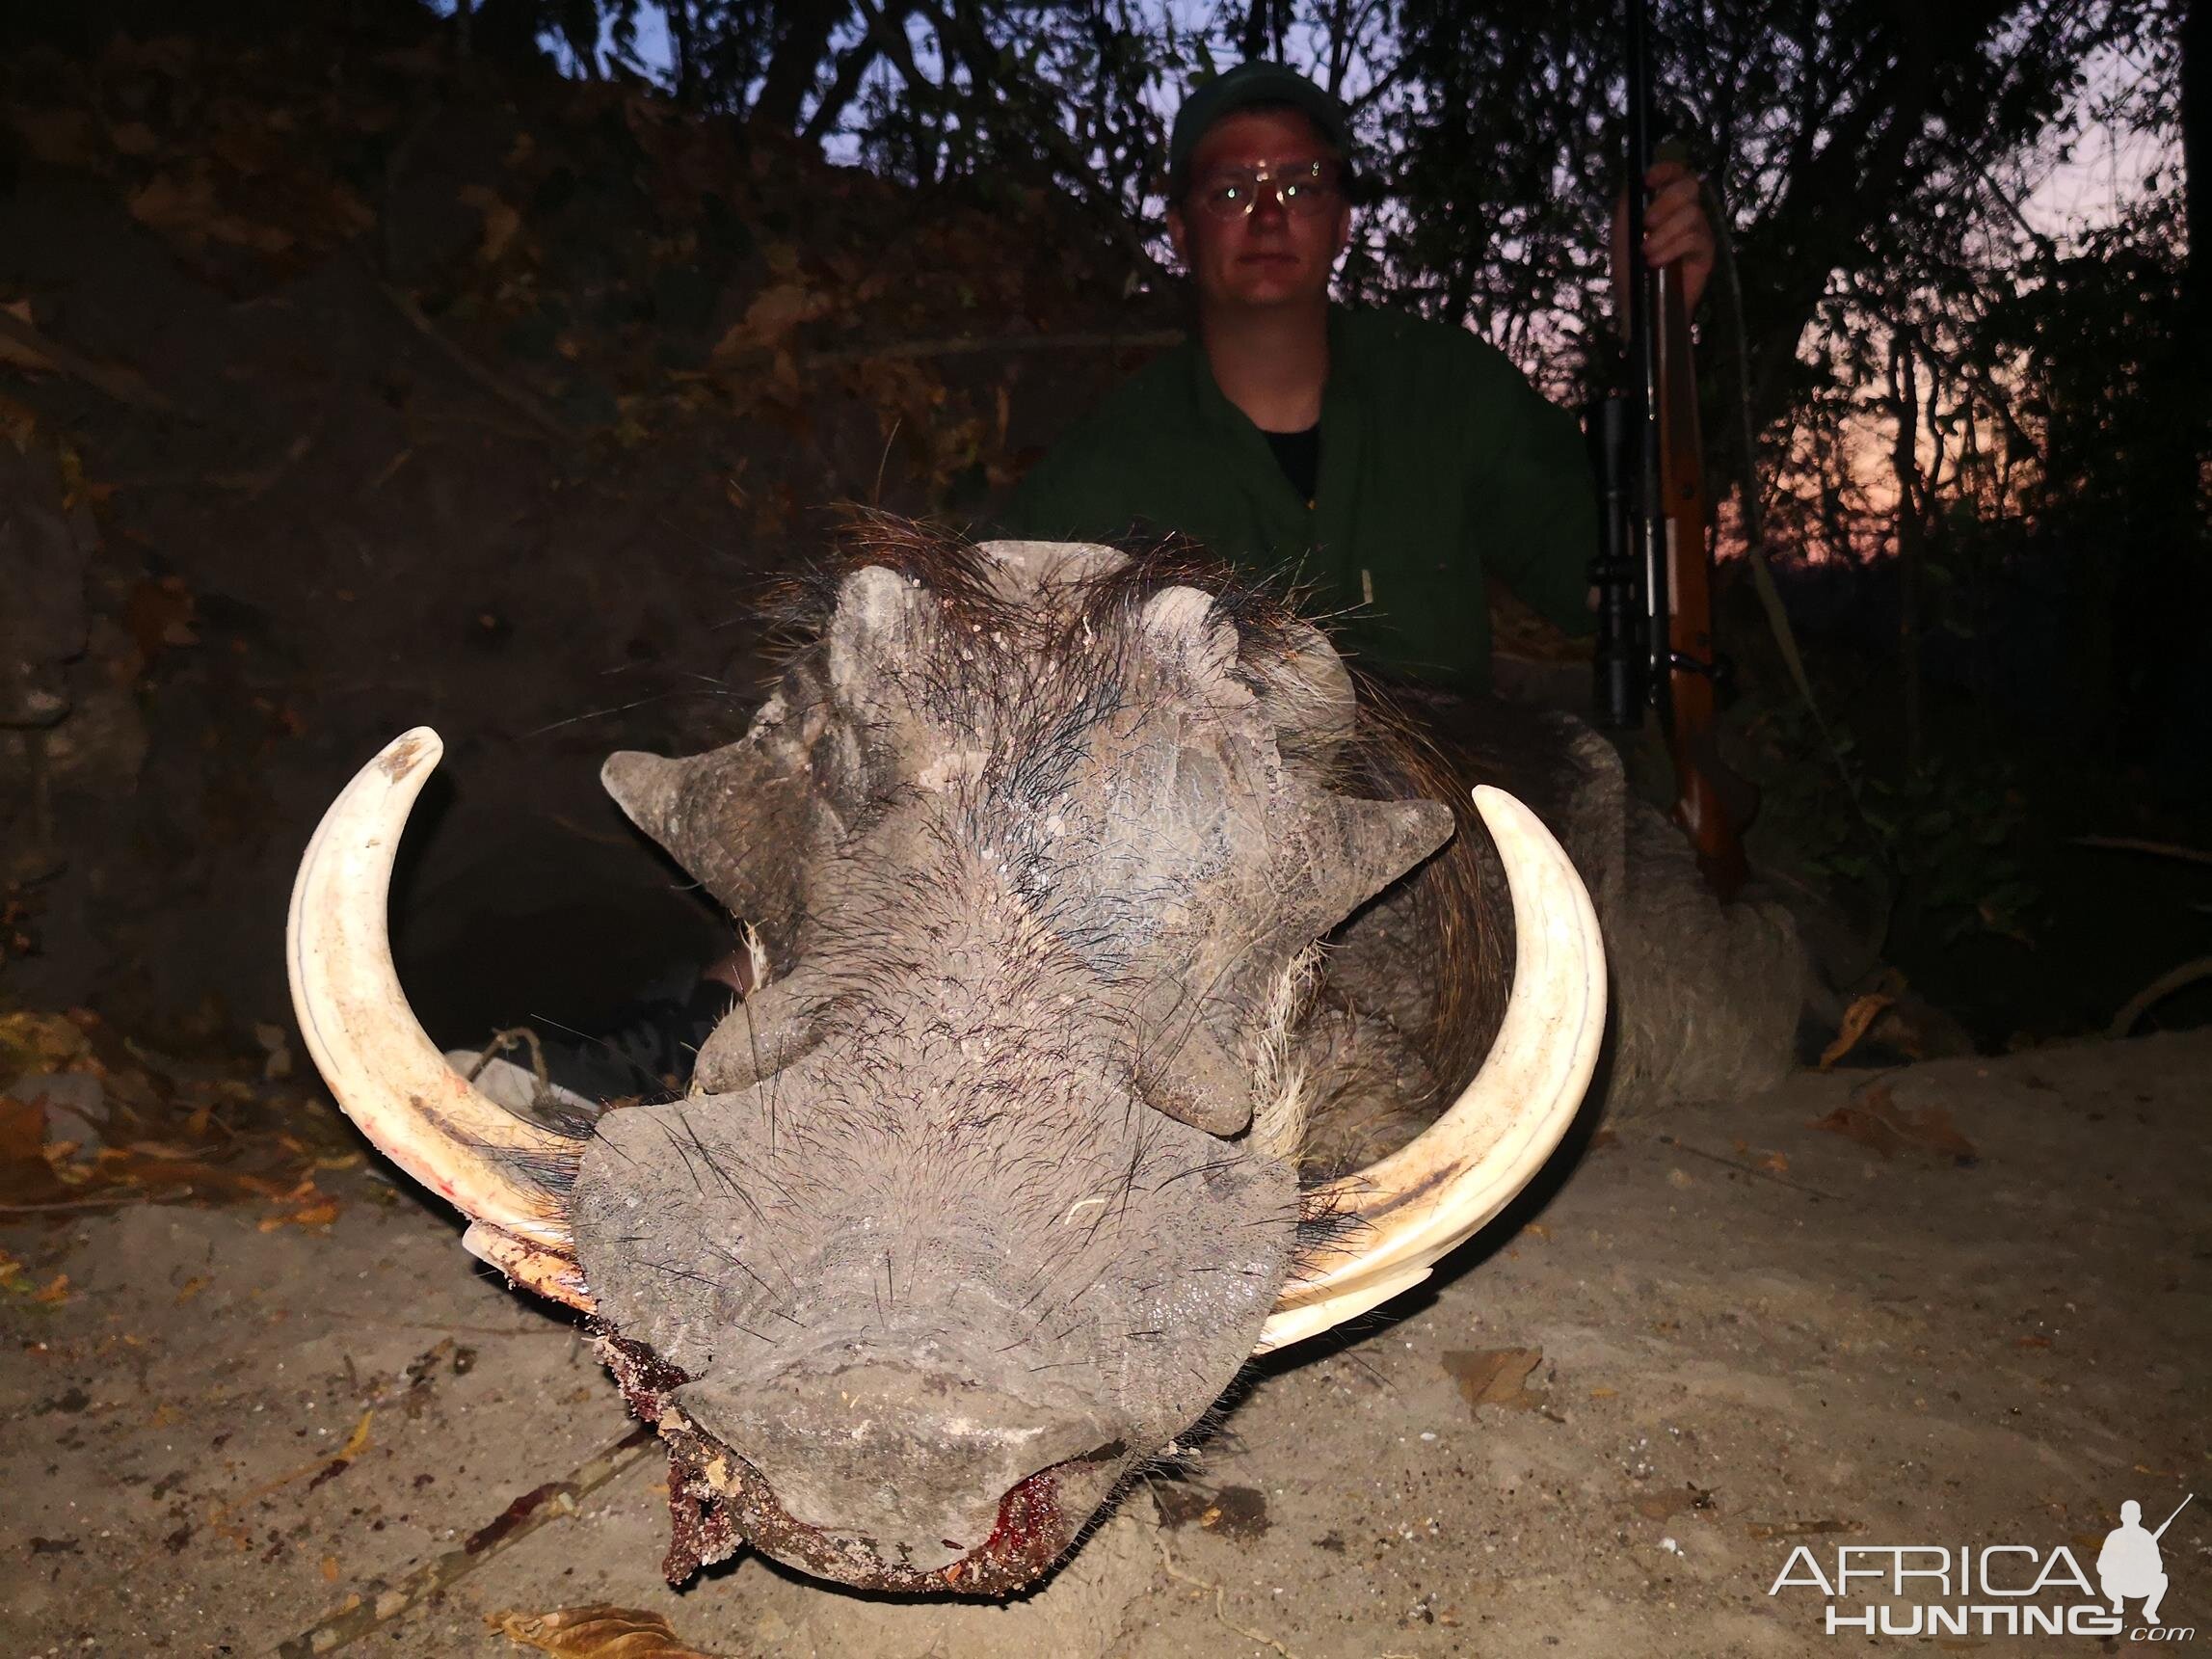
x,y
599,1630
322,1468
27,1175
1658,1506
358,1441
1874,1120
305,1206
1496,1377
159,615
769,320
1857,1020
23,354
502,220
185,210
18,423
39,1042
276,1045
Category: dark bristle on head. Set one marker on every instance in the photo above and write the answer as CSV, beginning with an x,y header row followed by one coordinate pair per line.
x,y
1260,608
797,608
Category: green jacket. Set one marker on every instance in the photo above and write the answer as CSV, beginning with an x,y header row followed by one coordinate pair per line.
x,y
1439,464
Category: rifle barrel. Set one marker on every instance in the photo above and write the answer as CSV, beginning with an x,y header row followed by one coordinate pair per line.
x,y
2169,1519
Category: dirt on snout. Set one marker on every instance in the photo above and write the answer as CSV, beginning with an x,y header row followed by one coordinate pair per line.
x,y
1980,1321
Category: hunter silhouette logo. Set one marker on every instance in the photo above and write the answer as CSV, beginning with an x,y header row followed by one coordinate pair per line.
x,y
1996,1589
2130,1565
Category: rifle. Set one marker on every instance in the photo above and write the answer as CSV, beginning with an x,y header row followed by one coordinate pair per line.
x,y
2172,1518
1654,570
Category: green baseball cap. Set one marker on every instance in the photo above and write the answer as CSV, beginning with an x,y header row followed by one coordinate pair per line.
x,y
1257,82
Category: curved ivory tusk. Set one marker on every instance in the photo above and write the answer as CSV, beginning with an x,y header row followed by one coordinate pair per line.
x,y
382,1069
1434,1194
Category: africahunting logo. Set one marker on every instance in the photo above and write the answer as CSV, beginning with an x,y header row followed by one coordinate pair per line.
x,y
2001,1590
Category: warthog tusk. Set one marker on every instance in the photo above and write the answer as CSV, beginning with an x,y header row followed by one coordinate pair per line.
x,y
381,1065
1429,1196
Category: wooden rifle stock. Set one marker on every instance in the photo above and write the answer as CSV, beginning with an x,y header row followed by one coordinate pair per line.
x,y
1711,802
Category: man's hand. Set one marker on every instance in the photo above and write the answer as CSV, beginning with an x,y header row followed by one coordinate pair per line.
x,y
1674,227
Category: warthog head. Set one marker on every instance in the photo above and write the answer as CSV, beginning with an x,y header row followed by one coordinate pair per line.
x,y
988,1189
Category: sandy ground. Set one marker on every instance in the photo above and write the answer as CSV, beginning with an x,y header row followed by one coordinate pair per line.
x,y
1753,1334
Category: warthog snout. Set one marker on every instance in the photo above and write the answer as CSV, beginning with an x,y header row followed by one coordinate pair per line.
x,y
915,1460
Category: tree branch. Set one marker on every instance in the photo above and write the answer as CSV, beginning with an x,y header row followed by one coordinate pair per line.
x,y
1079,171
853,64
803,35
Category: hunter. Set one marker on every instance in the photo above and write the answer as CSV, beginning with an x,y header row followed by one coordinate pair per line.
x,y
1389,463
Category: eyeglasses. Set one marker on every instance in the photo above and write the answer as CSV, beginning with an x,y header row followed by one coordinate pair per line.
x,y
1305,189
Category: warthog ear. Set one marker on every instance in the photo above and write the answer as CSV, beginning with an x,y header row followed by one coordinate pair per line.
x,y
1304,688
1185,627
747,820
733,817
876,634
1307,693
743,819
1352,849
1024,572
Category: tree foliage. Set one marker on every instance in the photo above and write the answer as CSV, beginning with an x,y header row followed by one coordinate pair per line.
x,y
1856,143
1926,369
